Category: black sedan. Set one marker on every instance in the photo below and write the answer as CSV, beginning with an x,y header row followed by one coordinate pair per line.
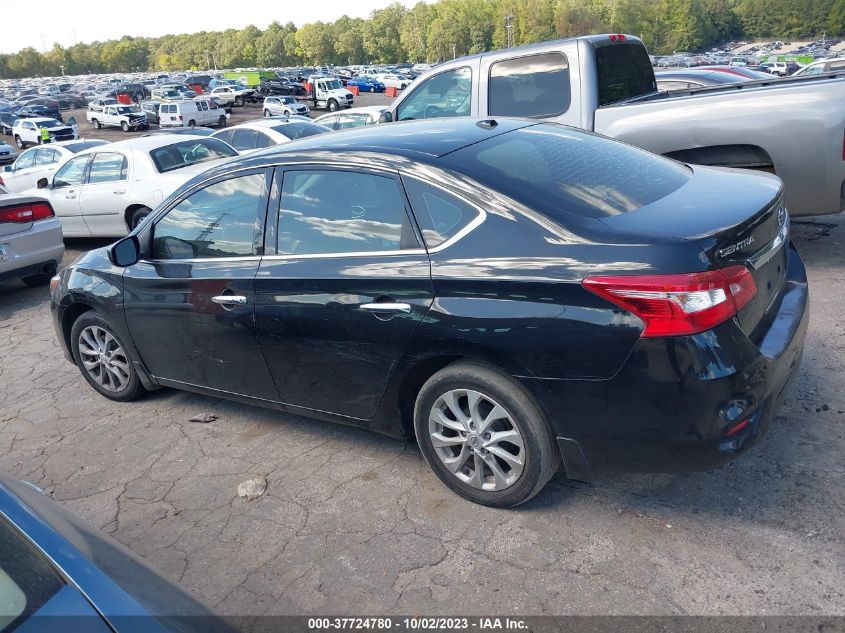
x,y
272,87
60,574
514,294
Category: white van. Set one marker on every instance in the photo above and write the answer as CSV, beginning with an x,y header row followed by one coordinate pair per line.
x,y
191,113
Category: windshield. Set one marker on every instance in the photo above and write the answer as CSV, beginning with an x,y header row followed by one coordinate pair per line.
x,y
299,130
125,110
558,170
49,123
288,100
184,153
333,84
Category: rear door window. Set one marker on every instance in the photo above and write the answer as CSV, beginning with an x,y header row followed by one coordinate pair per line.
x,y
244,139
532,86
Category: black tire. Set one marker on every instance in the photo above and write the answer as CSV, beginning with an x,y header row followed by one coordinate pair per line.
x,y
124,126
266,113
192,123
372,88
96,124
19,142
221,122
541,457
333,107
133,388
239,101
138,216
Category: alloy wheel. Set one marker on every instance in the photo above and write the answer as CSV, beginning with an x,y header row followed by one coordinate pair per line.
x,y
476,439
104,358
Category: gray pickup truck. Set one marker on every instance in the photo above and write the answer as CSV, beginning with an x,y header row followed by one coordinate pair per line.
x,y
605,83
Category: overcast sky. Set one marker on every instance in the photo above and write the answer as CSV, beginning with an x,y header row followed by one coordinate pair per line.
x,y
69,23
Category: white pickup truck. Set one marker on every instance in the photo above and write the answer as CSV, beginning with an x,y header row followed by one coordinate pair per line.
x,y
122,116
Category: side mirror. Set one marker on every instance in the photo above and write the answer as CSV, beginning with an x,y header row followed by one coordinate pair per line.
x,y
125,252
385,117
42,183
8,168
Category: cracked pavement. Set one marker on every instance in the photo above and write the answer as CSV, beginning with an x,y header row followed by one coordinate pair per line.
x,y
355,523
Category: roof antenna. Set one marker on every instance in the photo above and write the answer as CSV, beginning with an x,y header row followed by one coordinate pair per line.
x,y
487,124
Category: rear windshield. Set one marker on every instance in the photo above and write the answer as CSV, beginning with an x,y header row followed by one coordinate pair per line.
x,y
190,152
78,147
560,171
299,130
624,71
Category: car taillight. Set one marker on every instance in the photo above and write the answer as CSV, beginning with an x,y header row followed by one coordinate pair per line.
x,y
675,305
27,212
619,37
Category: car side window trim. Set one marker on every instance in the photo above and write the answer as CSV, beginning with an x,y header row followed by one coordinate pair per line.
x,y
466,230
258,238
271,246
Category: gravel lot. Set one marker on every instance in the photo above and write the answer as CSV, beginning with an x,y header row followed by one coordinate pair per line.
x,y
354,523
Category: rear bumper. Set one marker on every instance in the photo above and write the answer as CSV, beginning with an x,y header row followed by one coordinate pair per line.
x,y
673,405
31,250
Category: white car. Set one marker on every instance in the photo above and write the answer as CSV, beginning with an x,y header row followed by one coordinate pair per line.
x,y
392,80
354,117
284,105
98,105
253,135
107,191
39,162
817,67
191,113
28,131
232,95
31,246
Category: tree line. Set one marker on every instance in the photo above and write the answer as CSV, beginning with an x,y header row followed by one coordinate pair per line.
x,y
439,31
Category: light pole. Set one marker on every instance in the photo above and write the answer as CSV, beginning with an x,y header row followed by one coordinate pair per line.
x,y
509,29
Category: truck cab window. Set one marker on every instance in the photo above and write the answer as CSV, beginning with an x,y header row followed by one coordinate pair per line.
x,y
531,86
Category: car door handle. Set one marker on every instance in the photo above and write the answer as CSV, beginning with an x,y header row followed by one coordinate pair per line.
x,y
118,192
229,300
70,195
386,307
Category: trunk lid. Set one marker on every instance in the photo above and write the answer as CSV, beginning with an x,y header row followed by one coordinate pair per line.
x,y
735,217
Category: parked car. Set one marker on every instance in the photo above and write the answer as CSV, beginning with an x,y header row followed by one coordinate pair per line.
x,y
281,87
692,78
543,280
66,575
31,246
7,120
28,131
274,106
151,108
777,68
366,84
67,100
161,94
137,92
232,94
741,71
354,117
254,135
198,80
106,191
7,153
614,93
98,105
393,80
123,116
39,111
821,66
739,61
192,113
39,162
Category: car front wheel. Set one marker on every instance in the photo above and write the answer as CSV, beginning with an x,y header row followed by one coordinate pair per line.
x,y
103,360
483,436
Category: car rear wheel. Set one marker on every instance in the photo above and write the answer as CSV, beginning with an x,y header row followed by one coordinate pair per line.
x,y
138,216
96,123
192,123
103,360
221,122
483,436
